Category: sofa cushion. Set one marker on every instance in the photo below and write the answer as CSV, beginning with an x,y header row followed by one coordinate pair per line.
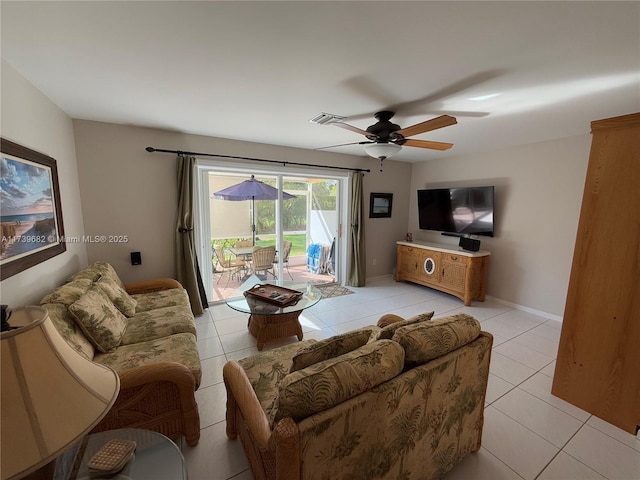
x,y
329,348
328,383
428,340
159,323
96,270
118,295
164,298
180,348
387,332
99,319
69,329
68,293
265,369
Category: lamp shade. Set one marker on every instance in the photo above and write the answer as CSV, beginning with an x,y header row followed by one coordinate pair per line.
x,y
51,394
382,151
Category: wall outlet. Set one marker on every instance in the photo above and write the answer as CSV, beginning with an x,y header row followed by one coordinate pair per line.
x,y
374,261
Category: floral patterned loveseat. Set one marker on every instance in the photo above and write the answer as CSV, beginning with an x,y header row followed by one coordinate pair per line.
x,y
146,332
402,401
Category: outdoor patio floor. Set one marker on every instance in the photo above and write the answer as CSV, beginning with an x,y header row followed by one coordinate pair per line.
x,y
224,286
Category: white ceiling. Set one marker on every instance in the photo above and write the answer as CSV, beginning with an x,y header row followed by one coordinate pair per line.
x,y
259,71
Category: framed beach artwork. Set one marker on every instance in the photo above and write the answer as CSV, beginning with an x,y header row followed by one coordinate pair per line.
x,y
32,229
380,205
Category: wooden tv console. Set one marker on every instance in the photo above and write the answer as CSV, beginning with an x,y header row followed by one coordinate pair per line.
x,y
445,268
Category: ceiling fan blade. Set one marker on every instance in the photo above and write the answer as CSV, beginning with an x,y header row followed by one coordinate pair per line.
x,y
346,126
343,145
372,91
427,126
455,88
431,103
428,144
461,113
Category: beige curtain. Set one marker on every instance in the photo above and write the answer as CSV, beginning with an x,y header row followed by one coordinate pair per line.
x,y
358,263
188,271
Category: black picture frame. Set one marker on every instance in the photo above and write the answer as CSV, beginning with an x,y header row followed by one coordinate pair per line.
x,y
32,230
380,205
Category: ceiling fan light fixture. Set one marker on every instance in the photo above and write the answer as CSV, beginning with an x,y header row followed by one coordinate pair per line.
x,y
382,150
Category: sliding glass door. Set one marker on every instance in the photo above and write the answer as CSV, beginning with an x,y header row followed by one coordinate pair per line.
x,y
301,215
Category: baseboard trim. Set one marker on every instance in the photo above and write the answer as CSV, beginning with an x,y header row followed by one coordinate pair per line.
x,y
540,313
378,277
516,306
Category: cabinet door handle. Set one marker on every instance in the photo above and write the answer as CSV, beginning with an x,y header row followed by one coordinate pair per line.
x,y
453,257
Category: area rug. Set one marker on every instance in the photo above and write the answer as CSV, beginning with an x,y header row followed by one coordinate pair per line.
x,y
330,290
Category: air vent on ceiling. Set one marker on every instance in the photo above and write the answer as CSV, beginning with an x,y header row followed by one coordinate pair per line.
x,y
325,118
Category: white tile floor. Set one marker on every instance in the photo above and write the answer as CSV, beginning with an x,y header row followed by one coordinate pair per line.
x,y
528,433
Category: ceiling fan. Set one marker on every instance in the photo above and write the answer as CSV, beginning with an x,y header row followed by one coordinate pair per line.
x,y
384,138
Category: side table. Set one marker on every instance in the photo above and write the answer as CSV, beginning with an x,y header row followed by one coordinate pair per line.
x,y
156,456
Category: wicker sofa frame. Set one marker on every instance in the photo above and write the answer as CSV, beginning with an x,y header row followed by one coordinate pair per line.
x,y
158,397
154,395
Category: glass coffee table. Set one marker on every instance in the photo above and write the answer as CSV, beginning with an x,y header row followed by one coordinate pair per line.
x,y
156,457
268,321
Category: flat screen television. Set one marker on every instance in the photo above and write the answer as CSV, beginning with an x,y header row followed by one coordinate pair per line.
x,y
460,211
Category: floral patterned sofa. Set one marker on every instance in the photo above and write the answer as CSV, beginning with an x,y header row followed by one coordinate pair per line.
x,y
402,401
146,332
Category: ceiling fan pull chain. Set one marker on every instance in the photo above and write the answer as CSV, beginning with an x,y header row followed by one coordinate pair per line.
x,y
381,159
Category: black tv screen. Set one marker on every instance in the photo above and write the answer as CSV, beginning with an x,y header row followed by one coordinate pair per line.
x,y
463,211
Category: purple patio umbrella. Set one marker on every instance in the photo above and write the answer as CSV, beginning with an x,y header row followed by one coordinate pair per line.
x,y
253,190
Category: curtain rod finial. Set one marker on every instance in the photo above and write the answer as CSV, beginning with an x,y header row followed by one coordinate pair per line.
x,y
150,149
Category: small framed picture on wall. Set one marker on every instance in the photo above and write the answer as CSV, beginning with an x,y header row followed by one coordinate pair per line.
x,y
380,205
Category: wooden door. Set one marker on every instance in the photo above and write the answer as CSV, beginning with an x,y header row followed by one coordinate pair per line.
x,y
598,365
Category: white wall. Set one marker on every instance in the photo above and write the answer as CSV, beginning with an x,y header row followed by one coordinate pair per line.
x,y
322,226
128,191
237,215
383,233
30,119
537,203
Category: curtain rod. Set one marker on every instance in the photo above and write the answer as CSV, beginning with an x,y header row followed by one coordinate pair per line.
x,y
281,162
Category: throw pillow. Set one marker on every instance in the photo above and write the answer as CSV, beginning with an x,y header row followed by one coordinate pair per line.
x,y
328,383
99,319
425,341
387,332
118,295
329,348
68,293
97,269
69,329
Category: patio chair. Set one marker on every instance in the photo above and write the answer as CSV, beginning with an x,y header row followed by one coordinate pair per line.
x,y
262,260
286,250
221,264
